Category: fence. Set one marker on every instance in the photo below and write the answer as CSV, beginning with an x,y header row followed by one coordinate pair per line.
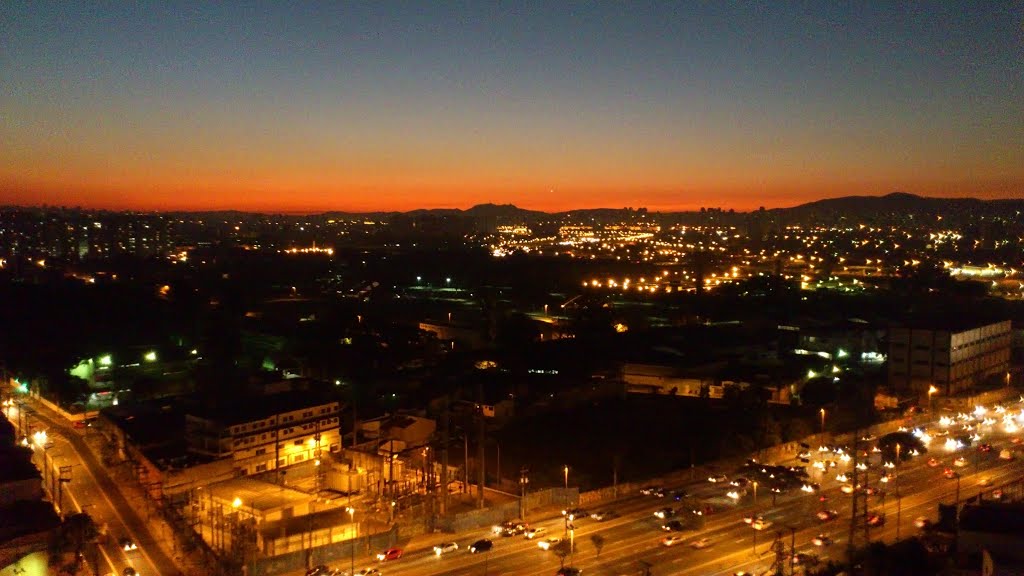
x,y
359,550
510,510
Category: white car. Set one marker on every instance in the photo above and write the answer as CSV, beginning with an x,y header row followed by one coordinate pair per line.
x,y
548,543
702,543
717,478
671,540
445,548
760,524
960,462
532,533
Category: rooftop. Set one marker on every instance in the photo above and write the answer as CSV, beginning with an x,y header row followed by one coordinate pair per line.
x,y
993,518
256,407
947,322
256,494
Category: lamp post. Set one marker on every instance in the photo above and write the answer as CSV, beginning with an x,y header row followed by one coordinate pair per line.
x,y
931,391
524,481
352,542
565,469
822,411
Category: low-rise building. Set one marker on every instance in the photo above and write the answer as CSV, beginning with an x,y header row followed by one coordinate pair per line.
x,y
266,432
952,357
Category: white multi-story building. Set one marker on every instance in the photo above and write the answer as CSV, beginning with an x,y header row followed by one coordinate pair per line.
x,y
950,359
267,432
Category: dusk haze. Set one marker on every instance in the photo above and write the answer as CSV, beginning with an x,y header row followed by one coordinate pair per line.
x,y
394,106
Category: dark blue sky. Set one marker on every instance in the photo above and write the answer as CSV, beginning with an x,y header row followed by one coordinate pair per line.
x,y
549,105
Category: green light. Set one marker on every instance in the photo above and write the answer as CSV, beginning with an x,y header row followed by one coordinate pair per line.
x,y
106,360
150,356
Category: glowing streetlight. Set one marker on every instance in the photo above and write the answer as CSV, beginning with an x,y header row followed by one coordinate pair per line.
x,y
822,411
565,470
352,519
931,390
106,360
150,356
236,503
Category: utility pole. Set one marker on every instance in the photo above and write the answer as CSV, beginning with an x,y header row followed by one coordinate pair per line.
x,y
445,426
859,507
481,453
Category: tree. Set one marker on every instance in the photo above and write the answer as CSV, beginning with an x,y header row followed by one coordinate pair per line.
x,y
598,541
562,550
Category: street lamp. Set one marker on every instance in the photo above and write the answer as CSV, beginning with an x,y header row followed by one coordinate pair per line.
x,y
565,469
931,390
822,420
352,542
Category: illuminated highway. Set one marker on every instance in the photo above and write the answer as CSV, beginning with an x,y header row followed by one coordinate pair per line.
x,y
634,539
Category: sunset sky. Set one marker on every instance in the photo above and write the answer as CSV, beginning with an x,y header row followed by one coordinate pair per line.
x,y
313,106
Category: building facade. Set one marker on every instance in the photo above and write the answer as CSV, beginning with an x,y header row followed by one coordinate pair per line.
x,y
951,360
276,431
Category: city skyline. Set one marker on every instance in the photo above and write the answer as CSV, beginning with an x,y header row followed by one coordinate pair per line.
x,y
391,107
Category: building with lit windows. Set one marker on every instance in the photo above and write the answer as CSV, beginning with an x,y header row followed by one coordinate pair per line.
x,y
952,358
266,432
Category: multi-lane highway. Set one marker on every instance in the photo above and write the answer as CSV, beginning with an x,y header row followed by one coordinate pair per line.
x,y
633,540
94,491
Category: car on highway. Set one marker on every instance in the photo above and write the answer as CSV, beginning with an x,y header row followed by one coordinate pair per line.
x,y
846,488
740,482
922,522
482,545
985,448
127,544
803,559
1006,454
950,473
510,528
650,490
671,540
876,520
717,478
673,526
960,462
933,462
761,524
826,515
532,533
445,548
129,571
574,513
603,515
368,572
665,513
986,481
569,571
702,543
548,543
821,540
389,554
320,570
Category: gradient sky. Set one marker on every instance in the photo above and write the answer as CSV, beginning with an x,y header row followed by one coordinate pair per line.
x,y
312,106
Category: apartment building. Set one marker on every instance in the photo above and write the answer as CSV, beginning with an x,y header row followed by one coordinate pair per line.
x,y
951,357
267,432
